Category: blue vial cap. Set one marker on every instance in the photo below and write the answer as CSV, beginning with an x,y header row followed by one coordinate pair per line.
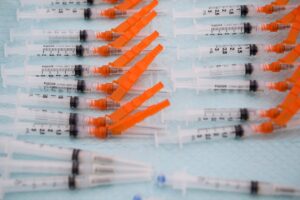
x,y
137,197
161,179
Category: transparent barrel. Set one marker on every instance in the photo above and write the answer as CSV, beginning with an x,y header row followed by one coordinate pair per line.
x,y
234,50
53,35
65,2
213,11
211,30
50,117
39,184
60,85
51,50
51,100
216,85
39,129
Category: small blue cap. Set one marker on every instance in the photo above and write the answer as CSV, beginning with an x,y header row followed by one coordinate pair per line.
x,y
161,179
137,197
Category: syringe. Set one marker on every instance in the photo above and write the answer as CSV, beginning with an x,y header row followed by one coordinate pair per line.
x,y
225,132
73,102
63,50
227,70
60,101
239,85
52,117
119,11
79,125
68,2
11,166
65,118
79,70
231,11
19,129
233,50
222,114
84,86
73,71
184,181
132,26
224,85
13,147
112,49
229,29
70,182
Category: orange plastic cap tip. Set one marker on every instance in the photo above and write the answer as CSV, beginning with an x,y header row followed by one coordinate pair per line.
x,y
277,48
99,132
102,51
272,27
103,71
107,88
97,121
267,9
100,104
109,13
279,86
111,1
271,113
273,67
265,128
106,36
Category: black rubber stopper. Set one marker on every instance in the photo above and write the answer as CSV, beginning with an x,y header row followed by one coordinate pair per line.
x,y
253,86
73,131
244,114
239,131
87,13
247,28
72,182
78,70
254,187
244,10
90,2
79,50
253,49
73,118
74,101
75,168
75,155
81,86
248,69
83,35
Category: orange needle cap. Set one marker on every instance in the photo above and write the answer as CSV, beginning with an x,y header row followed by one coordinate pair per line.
x,y
135,103
135,17
134,51
265,128
99,132
271,113
97,121
126,81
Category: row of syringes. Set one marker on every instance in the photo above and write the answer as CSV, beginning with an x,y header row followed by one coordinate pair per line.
x,y
125,114
252,85
249,122
64,168
77,169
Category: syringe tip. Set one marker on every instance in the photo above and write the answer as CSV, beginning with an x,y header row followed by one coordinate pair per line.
x,y
161,179
137,197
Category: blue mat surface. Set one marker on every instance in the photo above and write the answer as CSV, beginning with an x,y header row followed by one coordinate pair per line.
x,y
275,159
